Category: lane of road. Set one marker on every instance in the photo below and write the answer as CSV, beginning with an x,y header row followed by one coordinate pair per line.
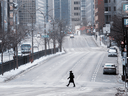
x,y
83,57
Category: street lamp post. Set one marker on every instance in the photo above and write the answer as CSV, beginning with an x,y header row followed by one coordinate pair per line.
x,y
32,40
2,36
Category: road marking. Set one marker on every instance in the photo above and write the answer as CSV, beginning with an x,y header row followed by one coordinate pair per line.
x,y
106,80
97,69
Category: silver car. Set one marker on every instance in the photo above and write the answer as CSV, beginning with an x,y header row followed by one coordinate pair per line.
x,y
112,54
109,68
71,36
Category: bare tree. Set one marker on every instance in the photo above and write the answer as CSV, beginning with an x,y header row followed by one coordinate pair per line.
x,y
61,33
116,29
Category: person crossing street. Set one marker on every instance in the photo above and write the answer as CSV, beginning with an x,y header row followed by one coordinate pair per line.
x,y
71,79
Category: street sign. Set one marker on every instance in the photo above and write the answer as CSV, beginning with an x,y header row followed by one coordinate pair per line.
x,y
125,22
104,30
125,8
108,28
45,36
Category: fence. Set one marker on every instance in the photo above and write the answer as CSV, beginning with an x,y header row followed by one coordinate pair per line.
x,y
7,66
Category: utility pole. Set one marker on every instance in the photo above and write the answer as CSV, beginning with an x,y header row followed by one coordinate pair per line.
x,y
54,41
2,36
32,40
16,38
45,38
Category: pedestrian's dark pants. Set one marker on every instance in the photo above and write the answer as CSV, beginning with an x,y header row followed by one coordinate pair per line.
x,y
71,82
124,69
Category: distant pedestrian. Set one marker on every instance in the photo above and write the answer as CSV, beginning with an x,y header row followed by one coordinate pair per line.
x,y
71,79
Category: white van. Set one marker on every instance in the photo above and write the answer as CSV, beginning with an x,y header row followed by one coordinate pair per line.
x,y
25,48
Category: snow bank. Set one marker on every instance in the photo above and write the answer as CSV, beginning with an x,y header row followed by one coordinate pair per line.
x,y
12,73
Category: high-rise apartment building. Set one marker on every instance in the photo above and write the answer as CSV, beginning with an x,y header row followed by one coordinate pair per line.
x,y
27,11
83,10
0,16
62,10
90,11
99,14
40,13
4,15
109,10
75,13
50,10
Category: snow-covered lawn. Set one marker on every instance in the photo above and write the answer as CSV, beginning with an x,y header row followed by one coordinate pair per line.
x,y
12,73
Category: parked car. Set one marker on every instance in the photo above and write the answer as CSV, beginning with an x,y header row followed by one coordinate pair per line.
x,y
113,48
25,48
71,36
112,54
109,68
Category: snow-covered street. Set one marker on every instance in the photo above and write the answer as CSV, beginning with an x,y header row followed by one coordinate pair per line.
x,y
48,76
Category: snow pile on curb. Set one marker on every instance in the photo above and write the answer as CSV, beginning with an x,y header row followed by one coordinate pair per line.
x,y
12,73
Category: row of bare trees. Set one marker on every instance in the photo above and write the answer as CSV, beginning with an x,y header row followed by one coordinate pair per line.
x,y
117,28
57,33
10,39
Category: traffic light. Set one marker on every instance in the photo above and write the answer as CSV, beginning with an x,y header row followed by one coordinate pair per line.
x,y
122,45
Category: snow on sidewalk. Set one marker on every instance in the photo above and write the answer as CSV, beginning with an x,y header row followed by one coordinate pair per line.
x,y
12,73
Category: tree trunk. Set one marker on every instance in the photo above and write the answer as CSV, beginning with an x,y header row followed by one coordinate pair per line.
x,y
2,62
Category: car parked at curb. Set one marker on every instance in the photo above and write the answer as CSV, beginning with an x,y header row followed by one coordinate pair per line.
x,y
71,36
113,48
112,52
109,68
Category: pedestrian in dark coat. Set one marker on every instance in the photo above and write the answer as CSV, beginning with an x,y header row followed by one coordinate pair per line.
x,y
71,79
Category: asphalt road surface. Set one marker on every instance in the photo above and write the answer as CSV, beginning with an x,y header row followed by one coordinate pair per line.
x,y
49,78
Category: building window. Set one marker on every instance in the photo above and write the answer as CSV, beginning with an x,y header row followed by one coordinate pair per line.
x,y
106,8
114,1
106,17
76,14
114,8
109,17
76,2
109,1
75,19
109,8
105,1
76,8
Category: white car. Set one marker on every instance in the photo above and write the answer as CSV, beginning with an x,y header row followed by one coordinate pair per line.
x,y
71,36
112,54
112,50
109,68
